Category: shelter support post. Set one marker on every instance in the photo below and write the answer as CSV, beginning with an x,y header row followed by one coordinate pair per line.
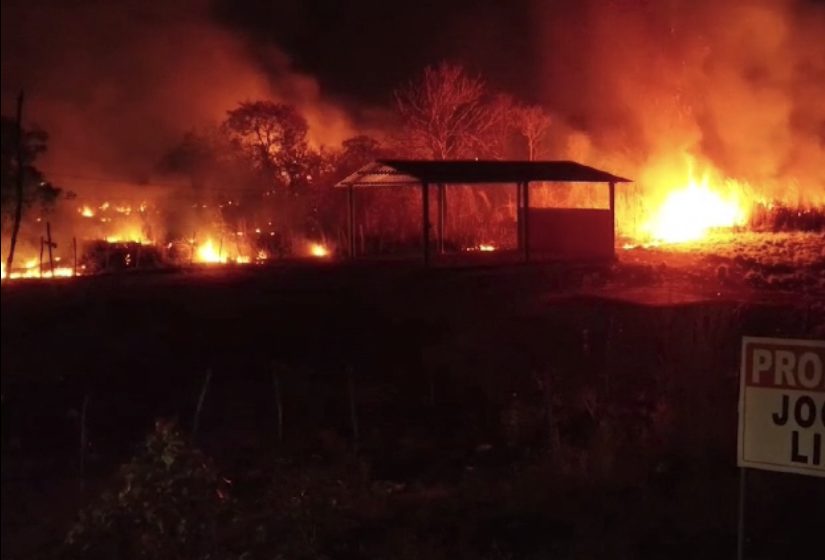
x,y
351,220
612,188
425,220
442,213
526,220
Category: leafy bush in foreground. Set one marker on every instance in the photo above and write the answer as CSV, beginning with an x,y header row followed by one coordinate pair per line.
x,y
167,504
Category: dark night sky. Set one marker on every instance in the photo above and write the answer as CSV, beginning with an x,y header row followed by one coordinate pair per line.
x,y
365,48
359,49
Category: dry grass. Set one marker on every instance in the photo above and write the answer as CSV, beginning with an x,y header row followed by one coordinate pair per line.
x,y
783,261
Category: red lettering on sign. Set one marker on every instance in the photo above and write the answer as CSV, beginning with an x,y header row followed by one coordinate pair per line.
x,y
785,366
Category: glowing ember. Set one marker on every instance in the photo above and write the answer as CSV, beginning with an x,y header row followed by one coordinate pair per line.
x,y
318,250
484,247
690,213
128,237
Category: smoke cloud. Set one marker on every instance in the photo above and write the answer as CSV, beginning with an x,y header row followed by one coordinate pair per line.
x,y
737,84
116,84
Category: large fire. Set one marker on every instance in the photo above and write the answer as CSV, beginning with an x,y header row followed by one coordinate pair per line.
x,y
688,214
690,209
117,241
678,201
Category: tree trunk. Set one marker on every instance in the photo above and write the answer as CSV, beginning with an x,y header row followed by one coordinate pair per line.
x,y
18,209
51,245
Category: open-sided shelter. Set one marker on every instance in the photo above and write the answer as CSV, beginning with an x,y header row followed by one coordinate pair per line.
x,y
568,233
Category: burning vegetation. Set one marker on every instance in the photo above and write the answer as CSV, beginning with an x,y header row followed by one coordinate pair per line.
x,y
718,129
566,410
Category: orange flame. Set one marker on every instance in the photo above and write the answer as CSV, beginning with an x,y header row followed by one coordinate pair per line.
x,y
690,212
318,250
31,269
208,253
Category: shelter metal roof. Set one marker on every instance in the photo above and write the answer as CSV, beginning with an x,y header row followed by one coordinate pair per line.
x,y
399,172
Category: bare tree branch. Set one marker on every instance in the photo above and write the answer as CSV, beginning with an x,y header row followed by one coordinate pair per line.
x,y
449,114
532,122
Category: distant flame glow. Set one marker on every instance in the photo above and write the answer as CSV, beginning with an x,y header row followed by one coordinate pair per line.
x,y
318,250
483,247
128,237
31,269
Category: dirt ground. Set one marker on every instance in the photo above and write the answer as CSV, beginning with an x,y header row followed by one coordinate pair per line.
x,y
492,411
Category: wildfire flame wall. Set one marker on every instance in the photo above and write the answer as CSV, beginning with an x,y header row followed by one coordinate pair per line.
x,y
732,88
718,101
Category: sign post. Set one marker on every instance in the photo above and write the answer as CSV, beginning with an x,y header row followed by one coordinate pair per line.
x,y
740,512
781,411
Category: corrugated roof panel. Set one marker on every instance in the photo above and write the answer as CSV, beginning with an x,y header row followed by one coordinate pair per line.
x,y
398,172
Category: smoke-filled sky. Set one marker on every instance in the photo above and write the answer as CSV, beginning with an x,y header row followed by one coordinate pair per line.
x,y
739,83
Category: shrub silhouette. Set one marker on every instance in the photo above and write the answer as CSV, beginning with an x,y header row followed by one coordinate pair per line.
x,y
167,503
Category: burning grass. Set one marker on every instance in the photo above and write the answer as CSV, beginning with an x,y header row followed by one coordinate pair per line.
x,y
33,268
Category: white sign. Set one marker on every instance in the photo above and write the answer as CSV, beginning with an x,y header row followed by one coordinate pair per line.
x,y
782,405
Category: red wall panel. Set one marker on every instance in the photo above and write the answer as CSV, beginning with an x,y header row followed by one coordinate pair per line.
x,y
571,233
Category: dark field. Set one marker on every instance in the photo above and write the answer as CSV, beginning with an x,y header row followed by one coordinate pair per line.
x,y
478,412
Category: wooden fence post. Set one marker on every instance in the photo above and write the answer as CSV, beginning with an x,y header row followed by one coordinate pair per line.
x,y
199,407
279,405
353,409
21,170
84,435
550,417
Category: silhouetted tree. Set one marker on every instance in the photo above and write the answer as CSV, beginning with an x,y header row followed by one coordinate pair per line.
x,y
449,114
36,189
531,122
274,137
